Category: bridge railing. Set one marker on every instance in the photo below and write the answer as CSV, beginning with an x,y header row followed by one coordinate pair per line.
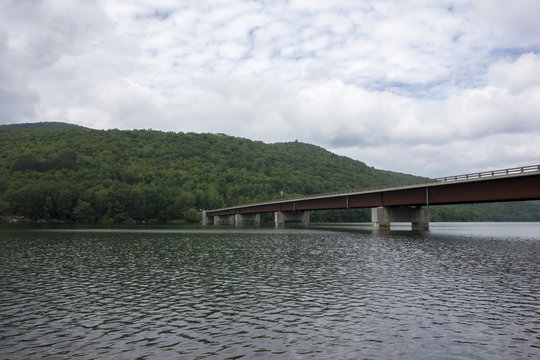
x,y
471,176
486,174
454,178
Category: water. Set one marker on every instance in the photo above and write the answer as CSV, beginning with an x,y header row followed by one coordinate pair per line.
x,y
460,291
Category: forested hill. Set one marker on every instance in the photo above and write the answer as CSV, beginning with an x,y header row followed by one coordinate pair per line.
x,y
115,176
41,125
84,175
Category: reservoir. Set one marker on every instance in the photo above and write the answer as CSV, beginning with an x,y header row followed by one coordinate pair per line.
x,y
344,291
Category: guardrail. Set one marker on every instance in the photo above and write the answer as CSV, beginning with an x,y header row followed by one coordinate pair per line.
x,y
485,174
471,176
454,178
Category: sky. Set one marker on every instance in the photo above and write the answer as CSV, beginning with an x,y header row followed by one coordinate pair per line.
x,y
430,88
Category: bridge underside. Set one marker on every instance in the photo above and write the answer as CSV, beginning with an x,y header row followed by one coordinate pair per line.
x,y
394,204
381,218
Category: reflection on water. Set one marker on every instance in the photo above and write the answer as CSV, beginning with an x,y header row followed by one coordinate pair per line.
x,y
333,293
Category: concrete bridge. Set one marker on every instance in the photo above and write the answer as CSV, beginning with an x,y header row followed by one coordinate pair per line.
x,y
408,202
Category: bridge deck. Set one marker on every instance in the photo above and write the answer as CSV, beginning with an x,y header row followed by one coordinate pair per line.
x,y
520,183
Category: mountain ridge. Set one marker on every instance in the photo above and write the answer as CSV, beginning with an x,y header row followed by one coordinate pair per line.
x,y
51,125
116,176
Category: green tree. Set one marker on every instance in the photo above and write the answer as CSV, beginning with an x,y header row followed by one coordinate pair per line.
x,y
83,212
192,216
67,173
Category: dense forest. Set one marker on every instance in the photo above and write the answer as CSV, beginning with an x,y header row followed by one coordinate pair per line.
x,y
41,125
59,172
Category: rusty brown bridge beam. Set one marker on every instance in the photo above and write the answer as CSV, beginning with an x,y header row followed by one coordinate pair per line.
x,y
514,184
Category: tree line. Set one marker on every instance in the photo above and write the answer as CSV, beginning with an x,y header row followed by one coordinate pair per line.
x,y
71,174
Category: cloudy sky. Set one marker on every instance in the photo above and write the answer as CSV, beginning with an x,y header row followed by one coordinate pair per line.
x,y
425,87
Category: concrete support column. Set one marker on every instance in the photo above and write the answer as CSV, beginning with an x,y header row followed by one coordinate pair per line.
x,y
380,217
206,219
248,219
383,216
224,220
282,217
279,218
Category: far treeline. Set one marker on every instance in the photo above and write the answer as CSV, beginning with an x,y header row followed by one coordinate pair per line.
x,y
56,172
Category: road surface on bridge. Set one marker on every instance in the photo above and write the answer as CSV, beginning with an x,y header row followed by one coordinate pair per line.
x,y
514,184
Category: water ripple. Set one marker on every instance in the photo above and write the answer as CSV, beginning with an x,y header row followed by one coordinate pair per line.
x,y
267,294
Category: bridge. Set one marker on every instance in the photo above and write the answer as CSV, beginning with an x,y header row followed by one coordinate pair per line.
x,y
405,202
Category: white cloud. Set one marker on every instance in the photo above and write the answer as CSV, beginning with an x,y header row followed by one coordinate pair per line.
x,y
509,26
520,75
422,87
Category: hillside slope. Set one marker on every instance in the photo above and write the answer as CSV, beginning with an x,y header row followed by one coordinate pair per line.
x,y
41,125
116,176
77,174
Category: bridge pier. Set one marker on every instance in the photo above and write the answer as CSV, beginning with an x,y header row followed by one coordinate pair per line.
x,y
282,217
224,220
206,219
238,219
248,219
383,216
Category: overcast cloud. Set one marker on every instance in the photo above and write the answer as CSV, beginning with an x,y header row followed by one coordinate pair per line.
x,y
425,87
